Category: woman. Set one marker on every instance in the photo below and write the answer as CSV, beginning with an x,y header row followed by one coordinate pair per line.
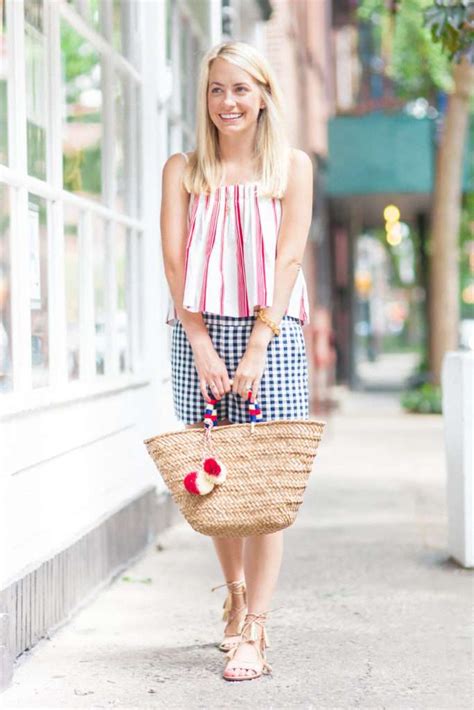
x,y
235,217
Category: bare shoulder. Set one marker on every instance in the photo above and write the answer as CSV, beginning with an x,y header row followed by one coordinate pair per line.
x,y
300,163
174,166
300,176
173,172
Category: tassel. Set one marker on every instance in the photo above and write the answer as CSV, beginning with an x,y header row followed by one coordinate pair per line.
x,y
253,635
227,608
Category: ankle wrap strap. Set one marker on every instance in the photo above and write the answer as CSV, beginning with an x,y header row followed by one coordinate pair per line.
x,y
235,587
249,629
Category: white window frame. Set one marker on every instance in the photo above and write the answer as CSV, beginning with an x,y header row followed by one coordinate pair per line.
x,y
180,127
15,176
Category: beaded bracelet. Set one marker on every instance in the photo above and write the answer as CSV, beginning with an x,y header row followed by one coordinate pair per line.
x,y
267,321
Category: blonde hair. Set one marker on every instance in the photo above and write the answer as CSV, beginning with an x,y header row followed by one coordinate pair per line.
x,y
204,172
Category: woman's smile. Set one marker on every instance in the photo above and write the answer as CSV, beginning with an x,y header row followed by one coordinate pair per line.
x,y
230,117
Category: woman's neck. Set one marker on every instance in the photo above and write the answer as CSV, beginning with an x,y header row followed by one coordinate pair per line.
x,y
237,150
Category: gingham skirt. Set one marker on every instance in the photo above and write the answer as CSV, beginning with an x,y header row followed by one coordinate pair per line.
x,y
283,391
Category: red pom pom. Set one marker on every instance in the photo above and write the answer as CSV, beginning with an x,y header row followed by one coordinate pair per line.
x,y
190,483
211,467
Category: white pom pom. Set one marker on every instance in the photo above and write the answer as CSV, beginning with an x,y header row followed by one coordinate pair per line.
x,y
203,484
216,478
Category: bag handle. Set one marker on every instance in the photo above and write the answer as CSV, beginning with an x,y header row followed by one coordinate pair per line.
x,y
210,413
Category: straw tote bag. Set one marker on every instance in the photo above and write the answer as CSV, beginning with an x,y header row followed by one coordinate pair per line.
x,y
239,479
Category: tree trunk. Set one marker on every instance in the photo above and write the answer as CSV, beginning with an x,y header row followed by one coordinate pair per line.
x,y
446,214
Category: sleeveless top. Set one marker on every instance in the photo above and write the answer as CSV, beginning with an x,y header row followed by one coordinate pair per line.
x,y
230,254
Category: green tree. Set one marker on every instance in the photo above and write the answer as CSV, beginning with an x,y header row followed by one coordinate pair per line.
x,y
452,26
431,47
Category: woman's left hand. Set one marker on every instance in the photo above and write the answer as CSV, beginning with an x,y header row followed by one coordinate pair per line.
x,y
249,372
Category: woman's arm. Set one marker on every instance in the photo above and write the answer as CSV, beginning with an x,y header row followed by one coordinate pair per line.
x,y
173,225
297,206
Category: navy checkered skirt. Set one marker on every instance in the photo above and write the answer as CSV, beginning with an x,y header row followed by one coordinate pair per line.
x,y
283,391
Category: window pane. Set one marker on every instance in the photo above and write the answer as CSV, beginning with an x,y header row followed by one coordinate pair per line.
x,y
122,249
125,29
126,144
184,62
139,295
5,293
138,148
195,61
200,9
82,127
89,10
71,255
35,75
92,12
169,28
100,305
3,85
121,143
38,244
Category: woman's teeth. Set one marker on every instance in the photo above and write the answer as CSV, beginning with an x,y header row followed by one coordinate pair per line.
x,y
230,116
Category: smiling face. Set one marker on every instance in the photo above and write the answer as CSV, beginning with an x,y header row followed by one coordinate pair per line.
x,y
234,99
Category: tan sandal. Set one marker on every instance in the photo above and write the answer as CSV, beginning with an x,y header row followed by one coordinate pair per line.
x,y
230,614
254,636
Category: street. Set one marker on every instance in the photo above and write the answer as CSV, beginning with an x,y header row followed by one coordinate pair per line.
x,y
369,612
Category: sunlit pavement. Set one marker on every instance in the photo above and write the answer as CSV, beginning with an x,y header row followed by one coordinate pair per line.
x,y
388,371
369,611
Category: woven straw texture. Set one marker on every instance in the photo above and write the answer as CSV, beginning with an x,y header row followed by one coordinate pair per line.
x,y
267,472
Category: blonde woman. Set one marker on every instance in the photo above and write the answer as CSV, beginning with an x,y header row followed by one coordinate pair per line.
x,y
235,216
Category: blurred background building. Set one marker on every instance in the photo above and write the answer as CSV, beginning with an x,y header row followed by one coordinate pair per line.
x,y
379,185
94,97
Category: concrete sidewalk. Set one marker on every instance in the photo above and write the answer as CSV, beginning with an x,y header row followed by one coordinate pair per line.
x,y
369,612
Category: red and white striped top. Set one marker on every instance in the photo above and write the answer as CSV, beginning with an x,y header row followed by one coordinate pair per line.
x,y
230,254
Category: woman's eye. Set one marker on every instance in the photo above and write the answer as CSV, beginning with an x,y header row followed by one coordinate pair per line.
x,y
216,89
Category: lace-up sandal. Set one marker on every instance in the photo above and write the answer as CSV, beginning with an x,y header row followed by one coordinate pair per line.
x,y
233,615
253,663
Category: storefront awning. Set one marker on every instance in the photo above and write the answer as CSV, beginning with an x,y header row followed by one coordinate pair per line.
x,y
382,153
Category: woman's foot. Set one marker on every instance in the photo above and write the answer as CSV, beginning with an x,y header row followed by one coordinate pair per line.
x,y
235,609
247,659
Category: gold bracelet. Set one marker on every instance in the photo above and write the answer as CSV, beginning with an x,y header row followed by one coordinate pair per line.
x,y
267,321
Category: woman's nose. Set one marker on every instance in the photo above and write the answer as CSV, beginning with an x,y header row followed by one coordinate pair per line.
x,y
229,100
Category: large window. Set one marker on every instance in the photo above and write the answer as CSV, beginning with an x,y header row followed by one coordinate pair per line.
x,y
5,293
70,115
35,78
3,84
187,41
83,130
38,229
72,279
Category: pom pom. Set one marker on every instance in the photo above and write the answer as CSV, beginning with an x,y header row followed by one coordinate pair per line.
x,y
211,466
197,483
214,471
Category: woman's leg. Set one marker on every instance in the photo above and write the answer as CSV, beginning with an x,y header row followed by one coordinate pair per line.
x,y
230,555
229,549
262,561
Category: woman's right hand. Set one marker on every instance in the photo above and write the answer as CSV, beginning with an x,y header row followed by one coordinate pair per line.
x,y
211,370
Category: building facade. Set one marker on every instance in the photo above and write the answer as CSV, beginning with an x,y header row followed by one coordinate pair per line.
x,y
94,97
83,376
298,44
